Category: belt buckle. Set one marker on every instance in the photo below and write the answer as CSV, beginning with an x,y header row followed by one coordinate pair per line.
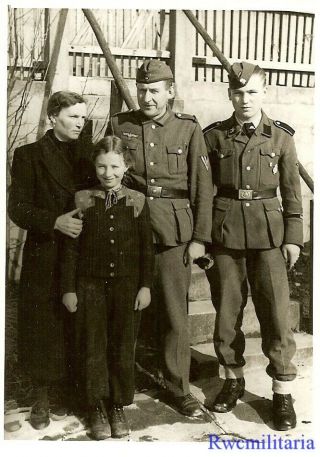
x,y
154,191
244,194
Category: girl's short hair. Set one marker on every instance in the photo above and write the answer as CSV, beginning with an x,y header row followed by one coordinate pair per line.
x,y
62,99
110,143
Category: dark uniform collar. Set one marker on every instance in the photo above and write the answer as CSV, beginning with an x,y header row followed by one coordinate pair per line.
x,y
234,129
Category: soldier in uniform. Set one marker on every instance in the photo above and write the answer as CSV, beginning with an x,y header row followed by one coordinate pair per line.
x,y
254,236
170,166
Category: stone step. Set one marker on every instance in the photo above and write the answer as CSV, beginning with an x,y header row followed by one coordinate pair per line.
x,y
202,318
204,362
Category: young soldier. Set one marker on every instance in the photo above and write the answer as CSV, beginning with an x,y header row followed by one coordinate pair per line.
x,y
171,167
254,237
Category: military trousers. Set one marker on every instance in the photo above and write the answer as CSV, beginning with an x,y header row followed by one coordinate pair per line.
x,y
168,317
265,271
106,327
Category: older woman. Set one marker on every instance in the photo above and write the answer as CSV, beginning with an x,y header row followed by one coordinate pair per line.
x,y
45,175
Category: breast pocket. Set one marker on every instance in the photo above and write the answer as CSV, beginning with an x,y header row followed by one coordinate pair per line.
x,y
223,167
133,154
269,167
177,158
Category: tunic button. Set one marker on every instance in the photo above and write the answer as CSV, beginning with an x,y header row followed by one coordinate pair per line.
x,y
154,191
221,156
151,198
151,163
152,180
112,241
179,151
151,145
111,216
112,274
111,265
178,114
272,154
248,168
270,164
247,204
247,186
111,229
153,126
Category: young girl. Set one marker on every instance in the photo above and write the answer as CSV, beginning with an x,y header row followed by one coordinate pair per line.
x,y
106,279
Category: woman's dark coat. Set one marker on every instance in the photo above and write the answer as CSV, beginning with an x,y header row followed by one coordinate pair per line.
x,y
45,176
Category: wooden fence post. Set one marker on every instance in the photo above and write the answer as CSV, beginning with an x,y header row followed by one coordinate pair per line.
x,y
181,48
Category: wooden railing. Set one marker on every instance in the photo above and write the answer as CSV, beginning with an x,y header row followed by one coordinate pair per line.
x,y
89,60
281,42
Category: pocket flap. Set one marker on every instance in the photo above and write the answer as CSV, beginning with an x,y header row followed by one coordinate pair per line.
x,y
130,144
175,149
265,151
180,204
272,205
223,153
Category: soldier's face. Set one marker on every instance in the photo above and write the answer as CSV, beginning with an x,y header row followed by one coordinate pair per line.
x,y
247,101
153,98
67,125
110,168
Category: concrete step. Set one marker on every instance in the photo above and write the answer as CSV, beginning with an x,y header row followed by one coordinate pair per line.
x,y
204,362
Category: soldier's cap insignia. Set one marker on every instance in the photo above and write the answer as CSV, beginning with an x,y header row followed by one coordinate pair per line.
x,y
240,74
153,70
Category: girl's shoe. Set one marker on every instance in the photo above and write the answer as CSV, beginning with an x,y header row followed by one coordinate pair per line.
x,y
118,422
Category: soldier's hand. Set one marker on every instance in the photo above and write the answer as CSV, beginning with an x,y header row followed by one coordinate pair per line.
x,y
291,254
69,225
143,299
70,301
194,250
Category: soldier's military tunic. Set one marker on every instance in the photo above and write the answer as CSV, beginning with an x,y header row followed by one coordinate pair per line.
x,y
169,164
249,225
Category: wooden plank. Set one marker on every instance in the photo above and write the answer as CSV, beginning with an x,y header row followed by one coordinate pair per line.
x,y
86,65
251,48
219,28
234,35
311,55
209,28
276,66
283,38
227,33
243,35
299,39
308,39
260,35
291,38
152,53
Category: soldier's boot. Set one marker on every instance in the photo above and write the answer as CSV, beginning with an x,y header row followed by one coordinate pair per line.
x,y
284,416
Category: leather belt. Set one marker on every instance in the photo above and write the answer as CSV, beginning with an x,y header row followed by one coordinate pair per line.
x,y
245,194
161,192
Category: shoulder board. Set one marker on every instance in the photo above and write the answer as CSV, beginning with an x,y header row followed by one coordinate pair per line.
x,y
285,127
212,126
122,113
190,117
